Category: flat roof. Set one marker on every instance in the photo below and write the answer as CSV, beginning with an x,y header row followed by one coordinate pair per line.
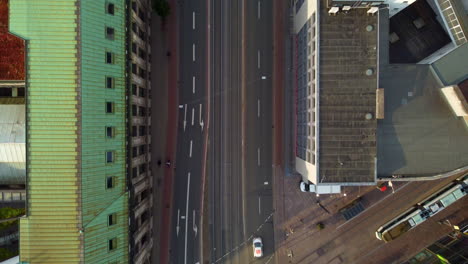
x,y
420,135
347,140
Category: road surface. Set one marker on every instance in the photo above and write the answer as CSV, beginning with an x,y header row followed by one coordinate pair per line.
x,y
185,242
240,151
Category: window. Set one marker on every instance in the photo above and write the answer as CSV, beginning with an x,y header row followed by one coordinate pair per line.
x,y
112,219
141,53
142,168
109,82
110,33
109,57
134,152
7,92
134,28
134,89
110,8
110,132
134,110
134,172
109,156
134,68
142,131
142,110
110,182
142,73
134,131
112,244
142,149
109,107
141,14
134,47
142,92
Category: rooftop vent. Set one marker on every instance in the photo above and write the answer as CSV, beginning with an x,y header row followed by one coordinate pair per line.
x,y
369,28
333,10
369,116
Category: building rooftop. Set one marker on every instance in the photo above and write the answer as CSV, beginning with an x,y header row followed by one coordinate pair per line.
x,y
420,135
348,83
11,49
415,33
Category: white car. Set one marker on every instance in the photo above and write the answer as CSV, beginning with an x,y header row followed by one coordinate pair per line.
x,y
257,247
305,187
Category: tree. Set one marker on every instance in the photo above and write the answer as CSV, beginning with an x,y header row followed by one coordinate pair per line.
x,y
8,212
320,226
162,8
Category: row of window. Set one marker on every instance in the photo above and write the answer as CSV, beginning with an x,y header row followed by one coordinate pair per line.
x,y
110,131
141,110
141,91
140,150
136,171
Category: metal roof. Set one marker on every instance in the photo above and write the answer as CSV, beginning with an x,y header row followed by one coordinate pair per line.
x,y
49,233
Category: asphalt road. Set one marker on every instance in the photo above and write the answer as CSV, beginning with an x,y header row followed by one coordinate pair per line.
x,y
258,124
185,242
240,151
225,149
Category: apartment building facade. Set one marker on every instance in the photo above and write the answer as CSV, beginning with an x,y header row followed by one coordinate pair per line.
x,y
139,127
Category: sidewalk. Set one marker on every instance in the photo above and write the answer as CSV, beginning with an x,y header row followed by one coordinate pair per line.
x,y
164,77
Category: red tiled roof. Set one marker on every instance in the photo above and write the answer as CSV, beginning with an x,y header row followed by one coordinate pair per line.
x,y
11,49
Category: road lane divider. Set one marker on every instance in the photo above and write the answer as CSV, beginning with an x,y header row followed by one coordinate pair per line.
x,y
191,143
193,20
186,218
185,116
193,115
193,84
193,52
195,228
258,8
178,218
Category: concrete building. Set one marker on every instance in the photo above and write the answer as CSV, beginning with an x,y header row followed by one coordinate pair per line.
x,y
141,181
358,115
336,70
88,190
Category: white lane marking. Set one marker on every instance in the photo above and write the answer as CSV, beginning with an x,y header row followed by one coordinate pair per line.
x,y
191,143
258,7
195,228
186,219
185,116
193,84
178,218
193,115
258,59
193,51
193,20
199,118
258,156
258,108
259,207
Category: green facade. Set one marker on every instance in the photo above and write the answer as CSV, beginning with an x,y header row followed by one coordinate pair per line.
x,y
97,201
66,131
